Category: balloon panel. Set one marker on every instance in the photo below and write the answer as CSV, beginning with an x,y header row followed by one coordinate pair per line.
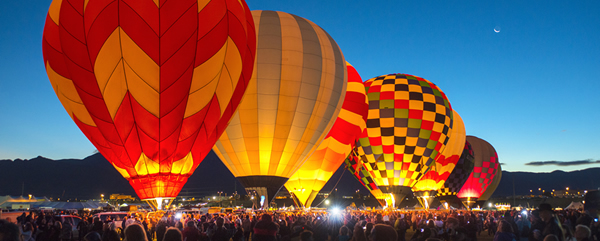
x,y
151,87
320,166
408,125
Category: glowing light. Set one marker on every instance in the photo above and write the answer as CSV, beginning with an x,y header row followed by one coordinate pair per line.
x,y
326,202
178,216
335,211
490,205
159,202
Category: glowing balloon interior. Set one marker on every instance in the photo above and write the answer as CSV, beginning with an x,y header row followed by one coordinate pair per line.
x,y
151,84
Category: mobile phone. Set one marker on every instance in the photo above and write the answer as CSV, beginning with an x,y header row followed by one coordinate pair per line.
x,y
365,227
422,230
595,220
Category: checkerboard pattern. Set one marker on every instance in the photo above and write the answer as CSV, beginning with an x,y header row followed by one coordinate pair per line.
x,y
460,174
355,166
407,127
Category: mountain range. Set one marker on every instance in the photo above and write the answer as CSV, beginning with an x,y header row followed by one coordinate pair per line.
x,y
89,177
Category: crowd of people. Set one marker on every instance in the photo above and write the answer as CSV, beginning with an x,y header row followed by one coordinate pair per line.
x,y
541,224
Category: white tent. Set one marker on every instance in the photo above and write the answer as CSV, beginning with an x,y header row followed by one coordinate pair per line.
x,y
575,205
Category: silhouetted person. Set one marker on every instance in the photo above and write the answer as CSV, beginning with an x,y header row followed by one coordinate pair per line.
x,y
382,232
92,236
9,231
173,234
191,232
265,229
135,232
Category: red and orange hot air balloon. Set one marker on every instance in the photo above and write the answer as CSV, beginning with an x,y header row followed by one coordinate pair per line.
x,y
152,84
306,183
486,167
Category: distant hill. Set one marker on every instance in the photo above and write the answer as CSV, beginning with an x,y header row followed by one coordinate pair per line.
x,y
92,176
559,180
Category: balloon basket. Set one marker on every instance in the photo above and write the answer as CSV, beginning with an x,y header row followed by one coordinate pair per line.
x,y
159,203
468,202
425,198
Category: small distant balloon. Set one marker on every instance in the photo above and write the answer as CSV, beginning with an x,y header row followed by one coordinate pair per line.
x,y
497,29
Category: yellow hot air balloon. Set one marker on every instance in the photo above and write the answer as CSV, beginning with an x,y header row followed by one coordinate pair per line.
x,y
294,96
306,183
434,179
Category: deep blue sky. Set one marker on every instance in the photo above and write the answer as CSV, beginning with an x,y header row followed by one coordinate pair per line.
x,y
530,90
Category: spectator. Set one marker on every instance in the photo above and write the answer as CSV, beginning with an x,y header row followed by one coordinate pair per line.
x,y
382,232
504,232
265,229
173,234
582,233
9,231
135,232
191,232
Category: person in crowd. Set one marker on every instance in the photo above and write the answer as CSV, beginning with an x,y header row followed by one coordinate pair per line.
x,y
110,235
358,234
173,234
191,232
504,232
9,231
551,224
135,232
265,229
344,234
383,232
582,233
219,232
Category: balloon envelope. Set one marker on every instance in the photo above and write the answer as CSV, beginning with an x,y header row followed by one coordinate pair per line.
x,y
293,98
407,127
151,85
306,183
485,168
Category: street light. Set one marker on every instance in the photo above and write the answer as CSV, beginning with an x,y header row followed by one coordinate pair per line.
x,y
102,197
326,202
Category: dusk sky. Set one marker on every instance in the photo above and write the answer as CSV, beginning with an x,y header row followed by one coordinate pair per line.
x,y
529,89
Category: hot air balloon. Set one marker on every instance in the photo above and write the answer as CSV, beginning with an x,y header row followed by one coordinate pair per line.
x,y
294,97
434,179
151,84
458,176
306,183
489,191
407,127
486,166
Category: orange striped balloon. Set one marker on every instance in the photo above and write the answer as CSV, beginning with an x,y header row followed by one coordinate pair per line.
x,y
306,183
151,83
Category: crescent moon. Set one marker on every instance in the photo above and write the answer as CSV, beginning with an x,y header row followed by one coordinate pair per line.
x,y
496,30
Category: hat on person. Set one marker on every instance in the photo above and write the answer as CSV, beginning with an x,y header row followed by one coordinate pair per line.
x,y
545,207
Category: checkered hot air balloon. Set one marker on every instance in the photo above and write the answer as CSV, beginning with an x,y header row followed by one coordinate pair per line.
x,y
293,99
306,183
485,168
434,179
458,176
489,191
151,83
407,127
